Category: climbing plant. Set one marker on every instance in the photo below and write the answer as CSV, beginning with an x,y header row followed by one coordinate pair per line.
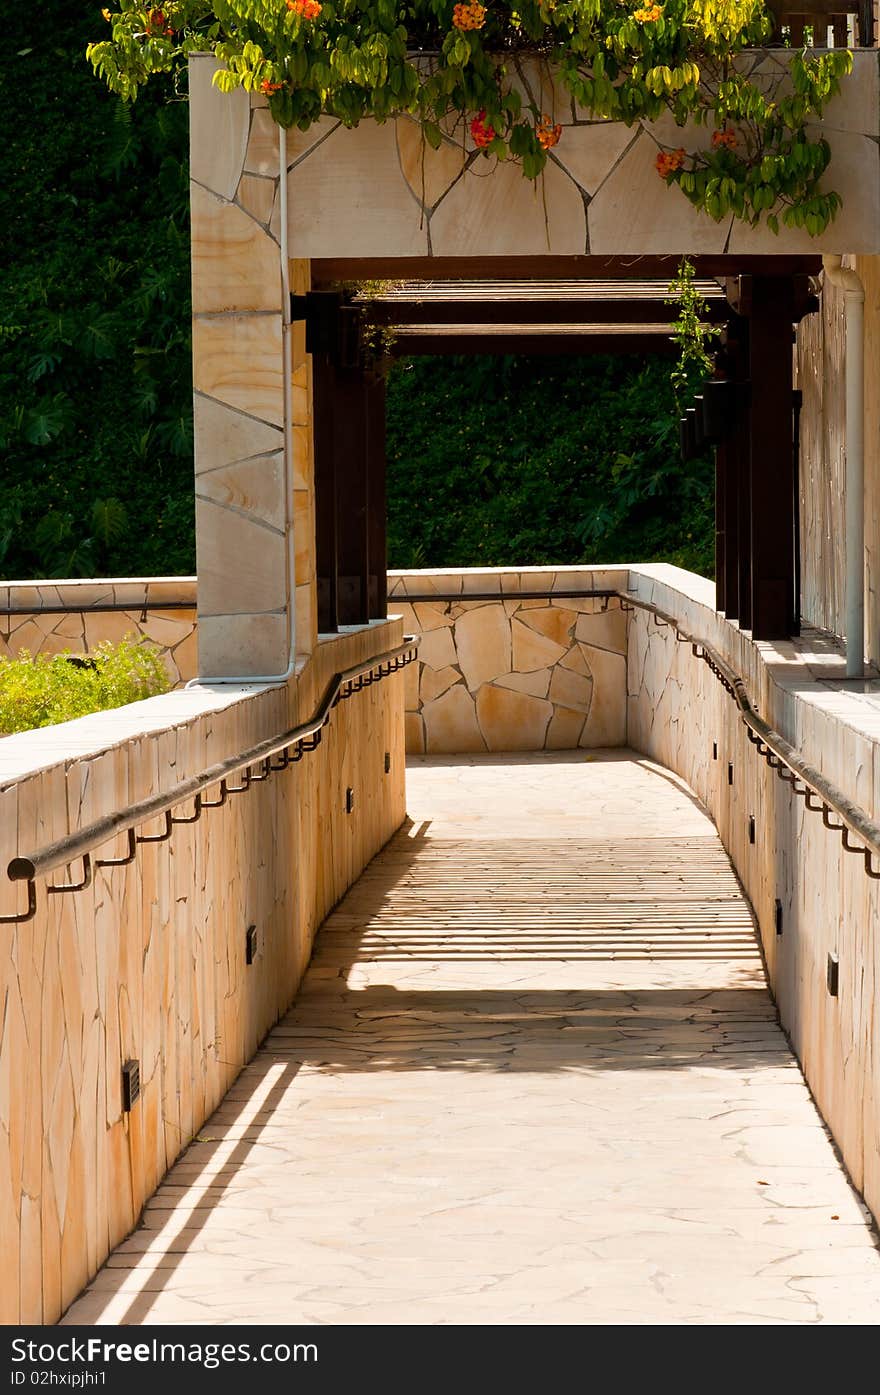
x,y
458,68
692,333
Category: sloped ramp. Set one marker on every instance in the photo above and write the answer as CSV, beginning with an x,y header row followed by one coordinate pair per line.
x,y
534,1075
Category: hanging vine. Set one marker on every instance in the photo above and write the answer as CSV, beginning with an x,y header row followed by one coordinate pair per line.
x,y
748,146
693,335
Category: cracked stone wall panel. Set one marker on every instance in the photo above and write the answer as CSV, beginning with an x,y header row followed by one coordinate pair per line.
x,y
429,173
262,147
235,264
483,645
242,565
554,622
634,210
590,153
604,629
229,644
508,215
251,487
237,360
218,129
854,174
512,721
537,84
350,187
224,435
257,197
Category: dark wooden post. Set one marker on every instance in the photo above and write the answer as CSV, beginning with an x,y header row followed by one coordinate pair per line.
x,y
737,552
352,495
721,527
772,458
324,376
377,499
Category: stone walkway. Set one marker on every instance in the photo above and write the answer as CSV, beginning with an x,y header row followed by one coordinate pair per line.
x,y
534,1076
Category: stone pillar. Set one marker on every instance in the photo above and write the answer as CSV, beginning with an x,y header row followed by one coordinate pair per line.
x,y
244,518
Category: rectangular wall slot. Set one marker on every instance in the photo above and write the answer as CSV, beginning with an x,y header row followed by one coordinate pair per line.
x,y
250,944
833,974
751,828
349,800
131,1084
779,917
714,750
387,762
730,772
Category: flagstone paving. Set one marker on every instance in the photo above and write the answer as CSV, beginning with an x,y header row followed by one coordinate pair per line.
x,y
534,1075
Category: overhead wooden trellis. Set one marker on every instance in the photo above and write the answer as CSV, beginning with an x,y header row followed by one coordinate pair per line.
x,y
560,305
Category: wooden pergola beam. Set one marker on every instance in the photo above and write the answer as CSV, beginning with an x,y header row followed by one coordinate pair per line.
x,y
333,271
531,342
608,310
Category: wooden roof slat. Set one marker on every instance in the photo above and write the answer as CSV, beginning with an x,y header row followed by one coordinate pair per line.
x,y
330,271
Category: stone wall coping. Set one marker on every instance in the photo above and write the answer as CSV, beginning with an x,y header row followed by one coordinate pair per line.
x,y
797,685
89,591
29,753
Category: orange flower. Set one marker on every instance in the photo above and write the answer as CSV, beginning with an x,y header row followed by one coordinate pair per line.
x,y
481,134
471,16
727,138
306,9
668,161
648,14
270,87
106,14
158,24
548,134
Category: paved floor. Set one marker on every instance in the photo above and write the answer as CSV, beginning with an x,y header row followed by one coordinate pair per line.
x,y
534,1076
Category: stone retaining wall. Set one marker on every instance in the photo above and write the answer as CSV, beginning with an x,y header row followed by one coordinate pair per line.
x,y
796,869
49,617
149,962
512,673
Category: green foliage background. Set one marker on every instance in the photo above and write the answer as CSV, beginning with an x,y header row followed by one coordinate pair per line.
x,y
494,462
95,377
491,461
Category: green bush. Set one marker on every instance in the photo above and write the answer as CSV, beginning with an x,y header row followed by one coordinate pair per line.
x,y
95,377
50,688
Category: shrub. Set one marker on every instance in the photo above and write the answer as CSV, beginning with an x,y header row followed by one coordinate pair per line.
x,y
40,691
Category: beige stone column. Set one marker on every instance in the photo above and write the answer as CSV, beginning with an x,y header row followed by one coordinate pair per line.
x,y
246,511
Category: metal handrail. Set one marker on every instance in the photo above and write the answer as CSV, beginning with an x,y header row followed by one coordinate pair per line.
x,y
289,745
779,754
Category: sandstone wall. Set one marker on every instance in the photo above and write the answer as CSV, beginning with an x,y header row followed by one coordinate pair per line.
x,y
49,617
821,376
378,191
512,673
255,520
677,711
149,962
